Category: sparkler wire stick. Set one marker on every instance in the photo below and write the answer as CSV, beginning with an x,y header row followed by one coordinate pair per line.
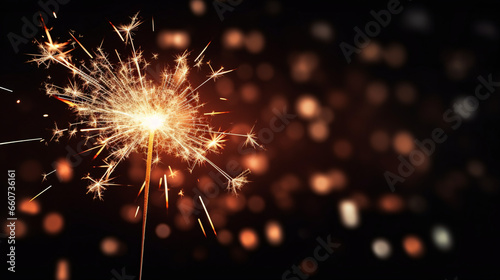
x,y
146,195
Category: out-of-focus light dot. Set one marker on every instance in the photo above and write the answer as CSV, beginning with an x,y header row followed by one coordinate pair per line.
x,y
273,7
18,101
320,183
255,42
224,86
163,231
319,131
30,171
175,180
361,200
183,222
128,213
406,93
303,65
290,182
244,72
417,204
466,107
458,64
218,218
257,163
197,7
295,131
322,30
265,71
379,141
173,39
285,202
403,142
235,203
338,100
53,223
199,253
371,53
62,270
442,238
136,173
225,237
391,203
342,149
349,214
250,92
338,179
308,107
381,248
27,207
395,55
64,170
274,233
232,38
327,115
309,265
475,168
110,246
486,29
20,230
376,93
256,204
413,246
418,19
249,239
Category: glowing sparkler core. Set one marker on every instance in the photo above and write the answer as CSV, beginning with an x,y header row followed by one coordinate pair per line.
x,y
153,122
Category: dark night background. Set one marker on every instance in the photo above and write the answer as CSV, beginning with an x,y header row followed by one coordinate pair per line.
x,y
352,121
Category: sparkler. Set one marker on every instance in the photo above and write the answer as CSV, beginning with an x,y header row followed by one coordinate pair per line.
x,y
125,112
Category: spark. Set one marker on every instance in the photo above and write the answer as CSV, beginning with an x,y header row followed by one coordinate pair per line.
x,y
45,175
18,101
117,31
40,193
21,141
210,220
159,184
215,113
6,89
181,193
166,190
137,211
201,225
172,174
222,98
201,53
81,45
127,112
153,23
